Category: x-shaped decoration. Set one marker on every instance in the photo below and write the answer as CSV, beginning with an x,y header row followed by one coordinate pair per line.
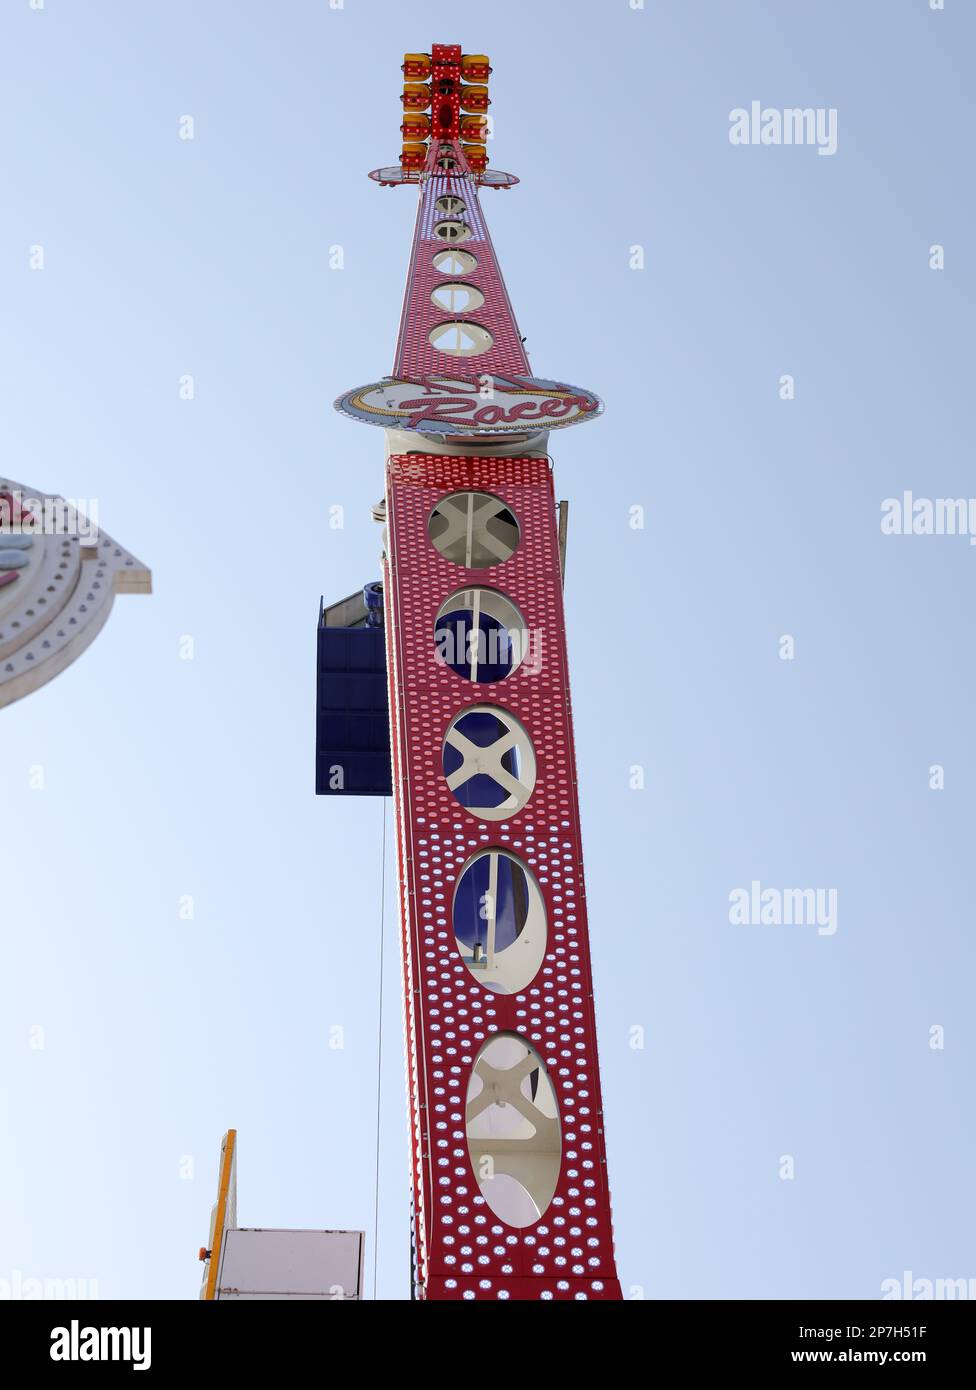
x,y
488,761
467,517
503,1087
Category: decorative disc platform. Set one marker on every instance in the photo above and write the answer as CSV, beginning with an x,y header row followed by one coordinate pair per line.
x,y
58,578
394,174
454,405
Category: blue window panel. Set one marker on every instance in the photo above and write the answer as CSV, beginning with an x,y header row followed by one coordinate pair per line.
x,y
455,634
480,789
511,906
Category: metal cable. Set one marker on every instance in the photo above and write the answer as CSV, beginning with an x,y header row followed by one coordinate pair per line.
x,y
379,1063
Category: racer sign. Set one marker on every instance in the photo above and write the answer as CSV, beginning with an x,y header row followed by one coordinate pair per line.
x,y
485,405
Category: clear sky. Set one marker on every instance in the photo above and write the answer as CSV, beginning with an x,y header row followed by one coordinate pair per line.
x,y
166,778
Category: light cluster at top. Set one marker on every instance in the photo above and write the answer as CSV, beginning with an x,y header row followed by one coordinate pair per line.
x,y
445,98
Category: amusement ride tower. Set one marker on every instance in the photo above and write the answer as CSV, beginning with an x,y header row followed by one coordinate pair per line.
x,y
510,1193
447,684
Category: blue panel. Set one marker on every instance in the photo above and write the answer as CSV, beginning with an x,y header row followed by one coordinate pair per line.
x,y
455,635
352,725
511,903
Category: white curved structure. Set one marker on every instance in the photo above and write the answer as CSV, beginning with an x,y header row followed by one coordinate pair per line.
x,y
58,579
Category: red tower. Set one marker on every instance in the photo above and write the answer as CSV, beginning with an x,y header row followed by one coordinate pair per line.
x,y
508,1167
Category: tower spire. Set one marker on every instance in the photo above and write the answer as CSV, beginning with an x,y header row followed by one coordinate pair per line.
x,y
456,304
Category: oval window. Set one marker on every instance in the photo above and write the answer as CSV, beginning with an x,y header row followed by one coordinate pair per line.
x,y
457,298
481,635
459,338
452,231
455,262
473,529
449,204
512,1128
500,921
489,762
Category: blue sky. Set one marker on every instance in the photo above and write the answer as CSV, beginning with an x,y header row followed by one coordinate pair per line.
x,y
167,778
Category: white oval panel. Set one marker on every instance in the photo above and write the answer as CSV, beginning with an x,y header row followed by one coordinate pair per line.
x,y
455,297
513,1131
455,262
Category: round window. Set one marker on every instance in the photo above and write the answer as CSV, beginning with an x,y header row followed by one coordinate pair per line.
x,y
473,529
481,635
489,762
448,203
